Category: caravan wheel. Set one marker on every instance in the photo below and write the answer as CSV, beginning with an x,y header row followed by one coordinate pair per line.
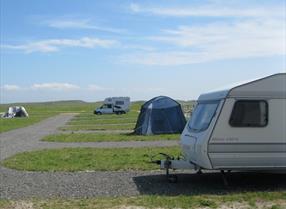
x,y
173,178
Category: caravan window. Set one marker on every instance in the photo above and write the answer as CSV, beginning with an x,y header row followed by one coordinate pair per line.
x,y
119,103
249,113
202,116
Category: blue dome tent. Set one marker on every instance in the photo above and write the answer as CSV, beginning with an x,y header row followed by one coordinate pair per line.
x,y
160,115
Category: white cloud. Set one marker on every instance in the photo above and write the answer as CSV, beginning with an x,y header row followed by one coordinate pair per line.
x,y
164,58
135,7
11,87
52,45
55,86
138,47
210,10
62,24
81,24
94,87
215,41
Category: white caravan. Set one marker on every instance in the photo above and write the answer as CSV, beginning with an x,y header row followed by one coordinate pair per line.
x,y
242,128
117,105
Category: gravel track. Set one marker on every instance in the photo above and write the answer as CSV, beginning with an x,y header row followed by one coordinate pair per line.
x,y
21,184
28,138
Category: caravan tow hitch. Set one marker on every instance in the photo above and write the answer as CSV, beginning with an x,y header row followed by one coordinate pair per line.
x,y
166,164
171,163
170,177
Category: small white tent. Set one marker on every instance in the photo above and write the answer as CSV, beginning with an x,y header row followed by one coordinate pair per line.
x,y
16,111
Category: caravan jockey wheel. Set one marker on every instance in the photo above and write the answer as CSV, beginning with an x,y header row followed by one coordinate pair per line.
x,y
172,178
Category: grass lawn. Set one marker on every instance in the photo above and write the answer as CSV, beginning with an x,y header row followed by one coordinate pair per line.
x,y
261,200
86,120
40,111
96,127
13,123
89,115
90,121
83,159
93,137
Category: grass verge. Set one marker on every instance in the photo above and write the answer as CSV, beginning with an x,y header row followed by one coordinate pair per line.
x,y
94,137
41,111
89,121
267,200
92,121
98,127
82,159
7,124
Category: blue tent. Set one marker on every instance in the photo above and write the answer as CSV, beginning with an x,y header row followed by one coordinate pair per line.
x,y
160,115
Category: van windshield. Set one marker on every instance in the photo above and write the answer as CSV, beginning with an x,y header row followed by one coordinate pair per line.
x,y
202,116
106,106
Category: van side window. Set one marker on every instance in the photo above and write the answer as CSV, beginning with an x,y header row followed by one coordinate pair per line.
x,y
249,113
119,103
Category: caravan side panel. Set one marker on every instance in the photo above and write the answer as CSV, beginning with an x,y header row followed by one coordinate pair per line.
x,y
250,147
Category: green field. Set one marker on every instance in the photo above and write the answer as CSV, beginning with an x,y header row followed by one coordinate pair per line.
x,y
40,111
96,137
98,127
245,200
85,120
82,159
88,121
113,159
101,121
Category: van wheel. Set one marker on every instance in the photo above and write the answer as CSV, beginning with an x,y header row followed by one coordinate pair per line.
x,y
99,113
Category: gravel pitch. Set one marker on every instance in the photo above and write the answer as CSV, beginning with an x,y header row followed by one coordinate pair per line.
x,y
28,138
20,184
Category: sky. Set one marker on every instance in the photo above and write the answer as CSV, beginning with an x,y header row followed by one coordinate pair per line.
x,y
89,50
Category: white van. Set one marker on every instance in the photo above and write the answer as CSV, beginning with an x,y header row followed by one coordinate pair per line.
x,y
111,105
241,128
